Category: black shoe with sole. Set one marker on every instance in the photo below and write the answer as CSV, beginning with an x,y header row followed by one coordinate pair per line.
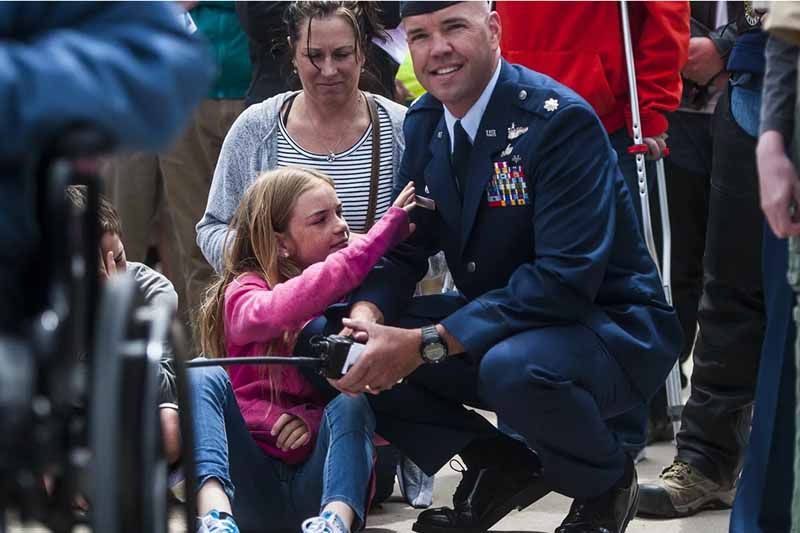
x,y
482,499
608,513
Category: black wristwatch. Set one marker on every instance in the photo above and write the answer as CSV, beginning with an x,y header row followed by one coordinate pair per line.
x,y
432,349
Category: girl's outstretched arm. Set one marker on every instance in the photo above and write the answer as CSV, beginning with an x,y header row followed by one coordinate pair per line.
x,y
255,312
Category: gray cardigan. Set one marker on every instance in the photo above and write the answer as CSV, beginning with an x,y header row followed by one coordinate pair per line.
x,y
250,148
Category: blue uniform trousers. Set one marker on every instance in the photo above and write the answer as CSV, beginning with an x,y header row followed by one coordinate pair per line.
x,y
763,499
555,386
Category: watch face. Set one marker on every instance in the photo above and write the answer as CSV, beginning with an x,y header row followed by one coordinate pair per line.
x,y
434,351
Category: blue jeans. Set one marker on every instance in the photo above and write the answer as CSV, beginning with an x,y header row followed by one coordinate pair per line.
x,y
266,494
745,94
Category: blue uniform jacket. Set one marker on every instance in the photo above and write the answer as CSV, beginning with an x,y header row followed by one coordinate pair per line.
x,y
573,253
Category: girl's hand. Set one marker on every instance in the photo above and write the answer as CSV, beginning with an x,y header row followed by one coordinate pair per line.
x,y
292,432
407,199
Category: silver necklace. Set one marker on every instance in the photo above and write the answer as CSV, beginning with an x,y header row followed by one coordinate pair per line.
x,y
331,151
332,155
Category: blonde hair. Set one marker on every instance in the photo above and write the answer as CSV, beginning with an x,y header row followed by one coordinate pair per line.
x,y
251,245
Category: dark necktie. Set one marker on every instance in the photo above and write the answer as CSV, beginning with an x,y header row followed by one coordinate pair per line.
x,y
459,159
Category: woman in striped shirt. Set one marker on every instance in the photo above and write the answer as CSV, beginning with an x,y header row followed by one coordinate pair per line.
x,y
327,125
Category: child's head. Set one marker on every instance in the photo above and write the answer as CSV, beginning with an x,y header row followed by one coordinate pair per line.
x,y
110,229
289,219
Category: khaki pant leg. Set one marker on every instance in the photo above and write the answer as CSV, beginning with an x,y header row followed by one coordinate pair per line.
x,y
168,248
132,182
187,169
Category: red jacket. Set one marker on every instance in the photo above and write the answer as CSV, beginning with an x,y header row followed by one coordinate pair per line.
x,y
580,44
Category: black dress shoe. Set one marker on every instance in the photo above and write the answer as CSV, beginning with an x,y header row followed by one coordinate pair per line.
x,y
608,513
483,497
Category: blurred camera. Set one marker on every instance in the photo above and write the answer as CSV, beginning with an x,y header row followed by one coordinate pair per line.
x,y
338,354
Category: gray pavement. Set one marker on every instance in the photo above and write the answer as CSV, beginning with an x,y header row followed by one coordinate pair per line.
x,y
395,516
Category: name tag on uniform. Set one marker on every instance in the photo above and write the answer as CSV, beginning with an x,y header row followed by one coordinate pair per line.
x,y
507,187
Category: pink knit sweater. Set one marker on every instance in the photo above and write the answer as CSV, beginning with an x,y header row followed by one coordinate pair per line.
x,y
256,314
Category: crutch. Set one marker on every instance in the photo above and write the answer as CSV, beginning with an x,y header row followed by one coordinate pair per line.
x,y
673,384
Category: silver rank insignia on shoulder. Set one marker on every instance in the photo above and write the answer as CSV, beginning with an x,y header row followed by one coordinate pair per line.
x,y
426,190
515,131
507,151
491,133
516,158
551,104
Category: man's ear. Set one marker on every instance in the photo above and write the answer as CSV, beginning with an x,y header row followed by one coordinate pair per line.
x,y
495,28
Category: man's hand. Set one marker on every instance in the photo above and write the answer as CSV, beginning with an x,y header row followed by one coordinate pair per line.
x,y
391,355
779,185
655,146
292,432
704,61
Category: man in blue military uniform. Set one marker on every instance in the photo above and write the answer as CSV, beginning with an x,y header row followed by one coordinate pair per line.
x,y
560,321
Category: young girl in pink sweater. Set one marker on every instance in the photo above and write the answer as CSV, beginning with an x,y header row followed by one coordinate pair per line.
x,y
267,431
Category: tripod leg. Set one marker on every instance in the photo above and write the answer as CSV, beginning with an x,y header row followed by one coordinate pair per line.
x,y
107,487
187,431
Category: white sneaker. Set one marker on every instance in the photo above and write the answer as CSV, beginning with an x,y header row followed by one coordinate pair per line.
x,y
214,522
327,522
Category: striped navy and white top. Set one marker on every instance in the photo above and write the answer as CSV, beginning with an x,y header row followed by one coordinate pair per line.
x,y
350,170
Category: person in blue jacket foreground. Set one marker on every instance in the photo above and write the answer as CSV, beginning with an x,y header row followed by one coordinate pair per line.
x,y
130,70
